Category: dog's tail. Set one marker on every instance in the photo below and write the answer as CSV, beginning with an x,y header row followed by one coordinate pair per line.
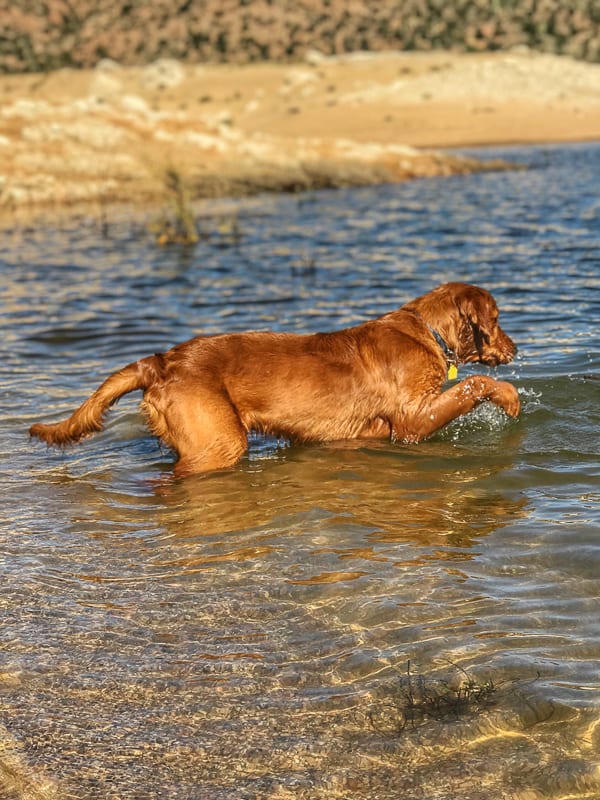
x,y
89,417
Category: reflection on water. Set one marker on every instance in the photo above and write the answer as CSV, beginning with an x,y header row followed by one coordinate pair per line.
x,y
235,635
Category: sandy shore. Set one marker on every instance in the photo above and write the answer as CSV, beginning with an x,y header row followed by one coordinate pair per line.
x,y
113,134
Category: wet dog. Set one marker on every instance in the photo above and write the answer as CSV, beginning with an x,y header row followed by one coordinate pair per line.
x,y
381,379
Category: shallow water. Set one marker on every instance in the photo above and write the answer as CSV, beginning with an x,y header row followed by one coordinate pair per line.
x,y
262,632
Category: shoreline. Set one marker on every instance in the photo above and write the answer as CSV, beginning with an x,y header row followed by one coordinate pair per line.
x,y
121,135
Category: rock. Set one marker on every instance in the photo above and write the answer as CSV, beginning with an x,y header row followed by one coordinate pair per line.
x,y
107,65
104,83
314,57
136,104
162,74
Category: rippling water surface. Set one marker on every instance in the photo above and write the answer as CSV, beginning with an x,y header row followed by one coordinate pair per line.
x,y
362,622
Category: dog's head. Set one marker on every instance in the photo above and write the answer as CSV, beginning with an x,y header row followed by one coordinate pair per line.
x,y
480,337
467,319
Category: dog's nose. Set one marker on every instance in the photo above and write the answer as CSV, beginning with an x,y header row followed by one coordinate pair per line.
x,y
509,348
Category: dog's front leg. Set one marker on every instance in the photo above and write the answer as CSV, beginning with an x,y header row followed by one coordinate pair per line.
x,y
378,428
437,411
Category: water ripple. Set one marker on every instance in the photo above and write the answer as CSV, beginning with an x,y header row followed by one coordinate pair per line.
x,y
247,634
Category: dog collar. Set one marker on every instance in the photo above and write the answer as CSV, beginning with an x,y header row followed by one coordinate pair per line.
x,y
448,352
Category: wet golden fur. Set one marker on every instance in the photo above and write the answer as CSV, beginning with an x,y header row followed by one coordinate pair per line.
x,y
383,378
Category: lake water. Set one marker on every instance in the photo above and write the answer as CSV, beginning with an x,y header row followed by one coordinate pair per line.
x,y
365,622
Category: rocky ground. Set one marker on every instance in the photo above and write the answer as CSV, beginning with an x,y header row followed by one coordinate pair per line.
x,y
129,134
43,35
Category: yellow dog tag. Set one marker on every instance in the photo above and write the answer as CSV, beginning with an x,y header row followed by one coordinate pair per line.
x,y
452,372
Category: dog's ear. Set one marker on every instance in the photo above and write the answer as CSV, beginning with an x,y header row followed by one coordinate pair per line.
x,y
478,307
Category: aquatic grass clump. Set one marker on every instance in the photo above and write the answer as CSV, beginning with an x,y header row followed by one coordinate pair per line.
x,y
417,699
177,224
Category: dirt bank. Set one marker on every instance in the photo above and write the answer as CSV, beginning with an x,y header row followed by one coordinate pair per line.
x,y
112,134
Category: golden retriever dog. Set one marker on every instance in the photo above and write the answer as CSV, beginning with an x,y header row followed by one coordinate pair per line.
x,y
381,379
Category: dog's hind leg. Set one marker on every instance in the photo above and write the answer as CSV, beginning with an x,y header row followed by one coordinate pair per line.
x,y
204,429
